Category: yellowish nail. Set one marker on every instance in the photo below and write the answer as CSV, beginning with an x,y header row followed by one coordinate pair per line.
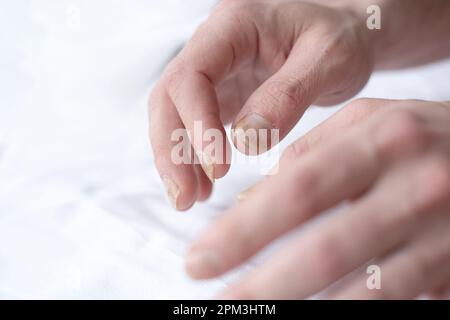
x,y
207,165
172,189
248,131
244,194
274,170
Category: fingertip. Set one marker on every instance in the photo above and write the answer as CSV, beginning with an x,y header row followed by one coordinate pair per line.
x,y
181,186
203,263
215,159
220,170
184,200
205,187
223,166
254,134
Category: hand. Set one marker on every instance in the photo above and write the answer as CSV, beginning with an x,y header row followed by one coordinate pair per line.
x,y
390,160
259,64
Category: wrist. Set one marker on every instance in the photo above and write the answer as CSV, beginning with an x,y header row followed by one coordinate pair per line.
x,y
407,33
373,18
359,14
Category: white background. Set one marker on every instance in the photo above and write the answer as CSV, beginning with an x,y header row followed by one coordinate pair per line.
x,y
82,211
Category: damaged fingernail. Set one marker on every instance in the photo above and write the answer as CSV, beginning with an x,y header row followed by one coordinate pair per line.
x,y
252,134
207,165
274,170
245,194
172,189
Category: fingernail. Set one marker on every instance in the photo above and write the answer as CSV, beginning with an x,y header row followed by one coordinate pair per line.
x,y
274,170
172,189
203,263
247,139
244,194
207,165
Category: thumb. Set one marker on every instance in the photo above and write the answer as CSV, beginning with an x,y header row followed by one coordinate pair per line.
x,y
309,73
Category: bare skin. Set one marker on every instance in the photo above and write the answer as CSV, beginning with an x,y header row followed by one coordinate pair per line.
x,y
261,64
392,162
272,59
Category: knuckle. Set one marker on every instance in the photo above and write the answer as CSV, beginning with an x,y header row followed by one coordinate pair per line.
x,y
173,73
173,78
406,125
344,46
285,93
341,49
360,103
360,109
402,133
303,194
404,116
296,149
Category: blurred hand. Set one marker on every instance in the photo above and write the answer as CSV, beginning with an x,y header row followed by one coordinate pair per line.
x,y
391,163
258,64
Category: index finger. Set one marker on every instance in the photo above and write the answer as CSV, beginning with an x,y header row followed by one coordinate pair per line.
x,y
186,96
216,49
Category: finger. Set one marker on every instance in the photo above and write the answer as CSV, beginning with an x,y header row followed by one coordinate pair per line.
x,y
441,292
234,91
198,108
398,206
352,114
229,95
318,181
359,111
210,56
275,209
179,179
204,184
282,99
315,183
410,271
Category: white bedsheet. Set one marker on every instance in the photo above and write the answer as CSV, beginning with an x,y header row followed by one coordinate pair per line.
x,y
82,211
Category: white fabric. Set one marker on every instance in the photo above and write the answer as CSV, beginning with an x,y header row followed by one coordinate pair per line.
x,y
82,211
